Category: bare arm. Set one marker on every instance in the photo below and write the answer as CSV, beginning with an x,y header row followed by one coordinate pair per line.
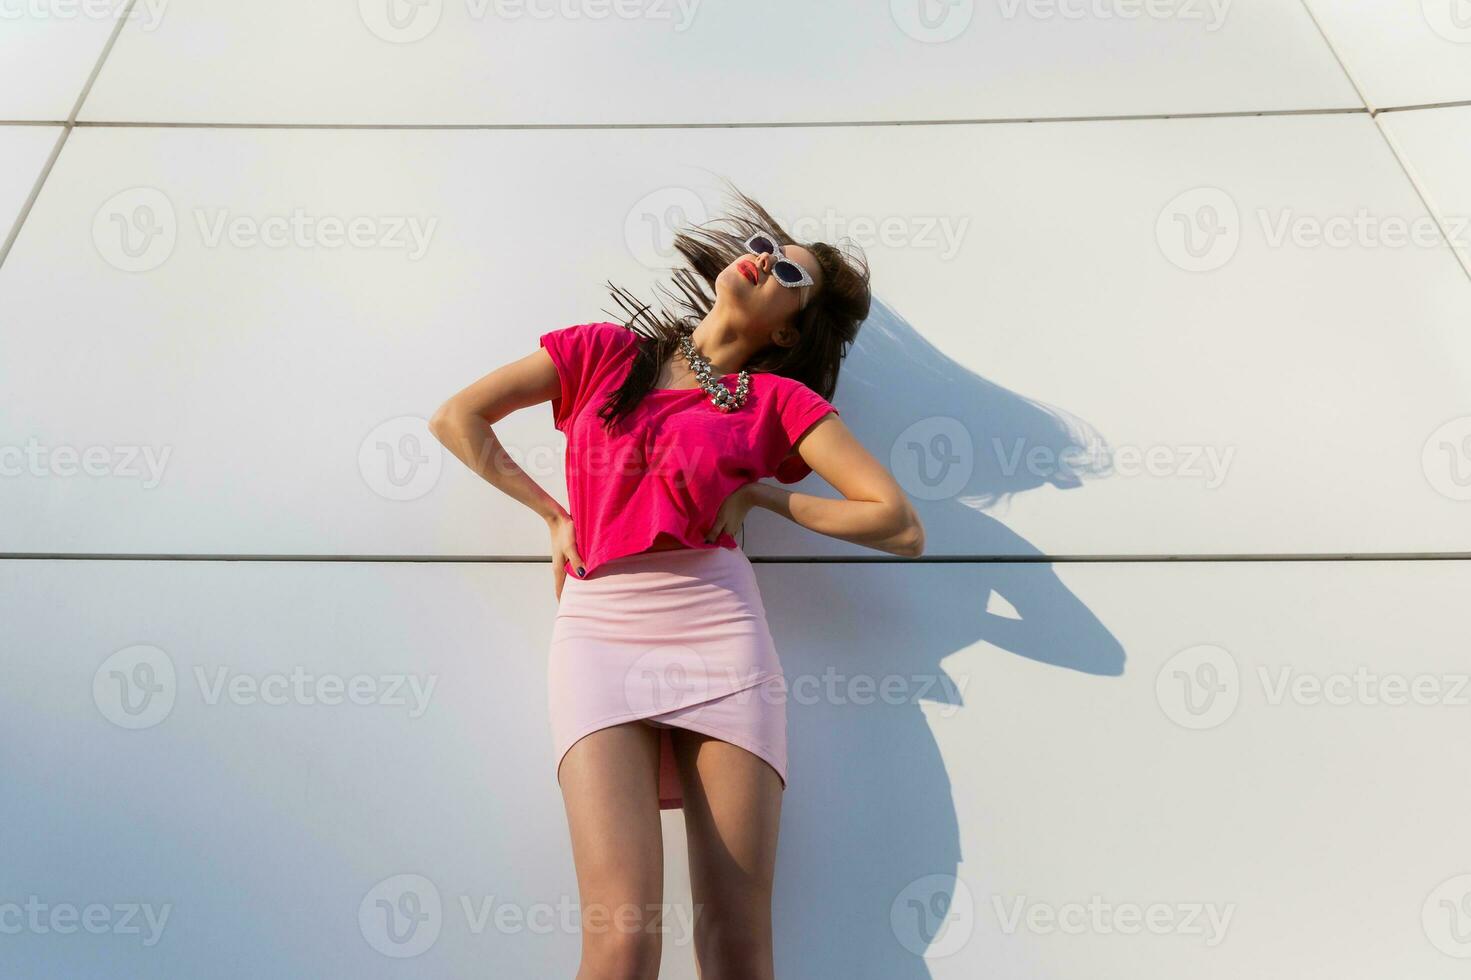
x,y
463,424
875,511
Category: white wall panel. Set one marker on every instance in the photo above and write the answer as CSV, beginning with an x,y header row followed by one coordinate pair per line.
x,y
997,733
265,814
48,50
177,309
1402,52
1116,337
1436,144
23,151
541,63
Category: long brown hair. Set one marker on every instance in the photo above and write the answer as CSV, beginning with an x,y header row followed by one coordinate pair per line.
x,y
826,327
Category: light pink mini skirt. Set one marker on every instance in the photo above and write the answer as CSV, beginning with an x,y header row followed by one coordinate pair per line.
x,y
674,638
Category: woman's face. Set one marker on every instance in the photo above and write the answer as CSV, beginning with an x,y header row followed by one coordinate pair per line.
x,y
749,285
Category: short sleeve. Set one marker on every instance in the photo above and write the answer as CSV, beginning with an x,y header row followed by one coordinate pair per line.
x,y
800,408
581,352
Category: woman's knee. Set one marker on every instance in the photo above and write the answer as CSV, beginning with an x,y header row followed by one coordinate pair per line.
x,y
625,947
733,946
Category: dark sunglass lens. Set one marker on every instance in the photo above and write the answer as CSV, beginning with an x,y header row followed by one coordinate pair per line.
x,y
762,244
787,271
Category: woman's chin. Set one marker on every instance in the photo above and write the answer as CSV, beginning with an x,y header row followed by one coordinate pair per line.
x,y
733,290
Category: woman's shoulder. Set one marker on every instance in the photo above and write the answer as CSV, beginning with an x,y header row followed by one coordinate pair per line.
x,y
601,333
591,343
612,332
785,386
790,390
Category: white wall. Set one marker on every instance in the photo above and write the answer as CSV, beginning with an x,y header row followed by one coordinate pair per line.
x,y
1122,319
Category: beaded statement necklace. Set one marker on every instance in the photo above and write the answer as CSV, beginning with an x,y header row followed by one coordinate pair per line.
x,y
720,395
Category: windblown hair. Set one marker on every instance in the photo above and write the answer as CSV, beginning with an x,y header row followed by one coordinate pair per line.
x,y
826,328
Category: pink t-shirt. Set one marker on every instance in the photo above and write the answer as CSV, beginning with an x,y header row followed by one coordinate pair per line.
x,y
675,458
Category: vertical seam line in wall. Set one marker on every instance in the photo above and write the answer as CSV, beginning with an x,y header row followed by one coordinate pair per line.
x,y
66,129
1461,255
1416,184
1333,50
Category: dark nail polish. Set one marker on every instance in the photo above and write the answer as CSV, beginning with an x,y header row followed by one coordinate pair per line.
x,y
581,572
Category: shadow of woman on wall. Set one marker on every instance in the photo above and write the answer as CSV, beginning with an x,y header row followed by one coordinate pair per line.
x,y
870,841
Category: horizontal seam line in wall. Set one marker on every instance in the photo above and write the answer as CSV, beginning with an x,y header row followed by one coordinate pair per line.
x,y
807,124
772,559
1423,105
1346,110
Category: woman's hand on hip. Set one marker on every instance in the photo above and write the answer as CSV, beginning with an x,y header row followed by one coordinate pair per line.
x,y
564,550
732,513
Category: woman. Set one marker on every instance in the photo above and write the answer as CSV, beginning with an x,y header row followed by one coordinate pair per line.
x,y
664,684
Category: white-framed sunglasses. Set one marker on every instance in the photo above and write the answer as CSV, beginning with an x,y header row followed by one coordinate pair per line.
x,y
787,272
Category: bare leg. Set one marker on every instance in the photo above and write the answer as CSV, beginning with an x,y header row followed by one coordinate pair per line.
x,y
610,786
732,811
